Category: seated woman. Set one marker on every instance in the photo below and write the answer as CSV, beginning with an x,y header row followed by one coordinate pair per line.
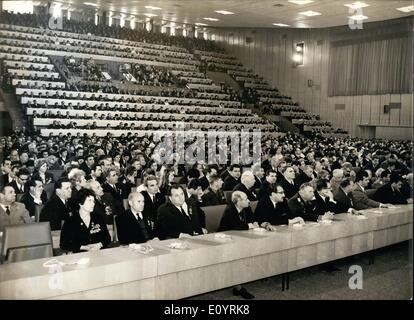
x,y
85,230
41,172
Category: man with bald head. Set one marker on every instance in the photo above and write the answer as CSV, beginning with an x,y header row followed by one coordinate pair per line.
x,y
246,185
133,226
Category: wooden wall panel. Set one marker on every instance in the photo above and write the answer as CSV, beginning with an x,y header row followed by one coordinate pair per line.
x,y
375,109
395,114
384,118
406,110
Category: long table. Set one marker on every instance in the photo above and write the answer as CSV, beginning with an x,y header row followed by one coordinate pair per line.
x,y
209,264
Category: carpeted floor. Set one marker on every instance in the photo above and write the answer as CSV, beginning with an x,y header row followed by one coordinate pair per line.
x,y
389,278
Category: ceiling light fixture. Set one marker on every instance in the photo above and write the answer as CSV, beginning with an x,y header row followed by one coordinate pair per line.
x,y
153,8
150,15
200,24
224,12
406,9
280,24
211,19
356,5
300,2
310,13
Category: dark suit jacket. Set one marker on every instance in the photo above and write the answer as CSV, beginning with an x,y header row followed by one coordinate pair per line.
x,y
151,209
116,194
76,234
302,178
343,201
172,222
29,203
55,212
212,198
204,182
309,211
232,220
386,194
264,189
229,183
267,212
4,180
48,176
258,182
85,168
107,204
130,230
16,189
290,190
361,200
250,194
326,205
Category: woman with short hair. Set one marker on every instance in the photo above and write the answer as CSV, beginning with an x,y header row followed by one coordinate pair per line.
x,y
85,230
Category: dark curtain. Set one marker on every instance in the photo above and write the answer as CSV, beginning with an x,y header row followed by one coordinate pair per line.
x,y
373,67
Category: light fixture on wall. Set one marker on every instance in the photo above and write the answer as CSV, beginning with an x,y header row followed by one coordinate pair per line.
x,y
299,49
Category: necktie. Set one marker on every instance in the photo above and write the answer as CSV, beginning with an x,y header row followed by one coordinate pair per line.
x,y
183,212
8,210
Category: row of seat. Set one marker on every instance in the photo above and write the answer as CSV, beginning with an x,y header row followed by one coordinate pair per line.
x,y
163,110
73,115
146,53
17,47
28,73
35,57
139,133
108,97
28,65
91,37
26,84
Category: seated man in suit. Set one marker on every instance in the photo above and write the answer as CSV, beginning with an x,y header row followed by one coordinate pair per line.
x,y
238,216
19,184
214,195
208,173
302,205
178,218
232,178
288,182
36,196
390,192
344,198
153,199
270,180
324,197
11,212
112,186
361,200
56,210
5,176
272,209
246,185
133,225
105,204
